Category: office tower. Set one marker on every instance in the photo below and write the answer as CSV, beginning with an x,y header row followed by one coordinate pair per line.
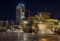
x,y
20,13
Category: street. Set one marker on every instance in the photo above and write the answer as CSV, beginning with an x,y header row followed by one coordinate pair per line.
x,y
10,36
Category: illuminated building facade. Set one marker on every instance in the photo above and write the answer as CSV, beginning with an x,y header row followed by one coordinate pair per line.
x,y
43,15
20,12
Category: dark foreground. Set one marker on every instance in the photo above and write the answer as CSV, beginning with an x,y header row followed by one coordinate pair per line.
x,y
10,36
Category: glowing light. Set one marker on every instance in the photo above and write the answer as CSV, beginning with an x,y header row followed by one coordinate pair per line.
x,y
52,20
25,22
21,4
43,39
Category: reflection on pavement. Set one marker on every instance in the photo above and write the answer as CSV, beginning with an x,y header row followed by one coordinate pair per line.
x,y
43,39
48,39
27,37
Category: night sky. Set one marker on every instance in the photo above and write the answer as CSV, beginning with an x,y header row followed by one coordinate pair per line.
x,y
8,7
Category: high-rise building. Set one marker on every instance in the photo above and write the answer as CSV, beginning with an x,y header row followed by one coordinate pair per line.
x,y
20,12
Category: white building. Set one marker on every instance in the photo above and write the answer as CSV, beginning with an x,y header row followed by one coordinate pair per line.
x,y
20,12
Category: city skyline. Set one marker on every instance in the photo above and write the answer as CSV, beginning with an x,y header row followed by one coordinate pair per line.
x,y
8,7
